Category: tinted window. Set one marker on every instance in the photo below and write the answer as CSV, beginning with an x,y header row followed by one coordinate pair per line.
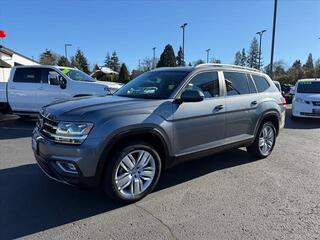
x,y
236,83
261,83
27,75
308,87
156,85
50,76
207,82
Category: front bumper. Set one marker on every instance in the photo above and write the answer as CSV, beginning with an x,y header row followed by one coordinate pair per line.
x,y
51,156
304,110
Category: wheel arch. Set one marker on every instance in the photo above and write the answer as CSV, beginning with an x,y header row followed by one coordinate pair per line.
x,y
151,135
272,116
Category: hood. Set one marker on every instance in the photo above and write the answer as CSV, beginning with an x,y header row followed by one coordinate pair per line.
x,y
309,96
87,108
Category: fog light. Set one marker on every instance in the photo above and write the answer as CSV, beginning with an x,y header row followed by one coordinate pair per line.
x,y
67,167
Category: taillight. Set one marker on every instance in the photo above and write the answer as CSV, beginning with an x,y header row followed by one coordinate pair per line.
x,y
283,101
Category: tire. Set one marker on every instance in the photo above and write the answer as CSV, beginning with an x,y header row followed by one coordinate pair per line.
x,y
135,182
255,149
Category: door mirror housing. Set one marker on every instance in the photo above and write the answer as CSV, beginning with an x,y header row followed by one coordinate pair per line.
x,y
63,82
192,95
54,80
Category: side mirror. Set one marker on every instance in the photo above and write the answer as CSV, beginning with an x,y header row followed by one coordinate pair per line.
x,y
53,80
63,82
191,95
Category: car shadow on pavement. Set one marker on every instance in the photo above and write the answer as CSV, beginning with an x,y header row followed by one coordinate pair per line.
x,y
12,127
303,123
31,202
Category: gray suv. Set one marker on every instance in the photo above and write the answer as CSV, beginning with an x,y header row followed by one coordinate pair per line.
x,y
123,142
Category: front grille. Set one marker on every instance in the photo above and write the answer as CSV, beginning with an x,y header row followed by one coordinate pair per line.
x,y
47,127
310,114
316,103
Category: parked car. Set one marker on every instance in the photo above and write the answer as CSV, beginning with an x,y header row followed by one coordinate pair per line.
x,y
157,120
286,92
31,87
306,101
278,85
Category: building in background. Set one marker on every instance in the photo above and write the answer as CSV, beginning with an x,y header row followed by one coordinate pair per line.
x,y
9,59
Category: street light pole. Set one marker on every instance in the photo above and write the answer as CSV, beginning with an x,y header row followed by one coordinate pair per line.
x,y
65,49
260,41
208,50
154,58
183,29
273,34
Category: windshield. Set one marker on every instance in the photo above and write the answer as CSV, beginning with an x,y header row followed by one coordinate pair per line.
x,y
77,75
308,87
154,85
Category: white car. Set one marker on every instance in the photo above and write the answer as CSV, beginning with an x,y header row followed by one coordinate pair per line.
x,y
31,87
306,101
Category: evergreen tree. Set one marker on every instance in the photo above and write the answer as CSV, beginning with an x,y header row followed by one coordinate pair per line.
x,y
237,58
317,68
114,62
180,58
190,64
308,67
167,58
95,68
253,54
243,59
48,58
63,62
199,61
123,74
80,62
107,61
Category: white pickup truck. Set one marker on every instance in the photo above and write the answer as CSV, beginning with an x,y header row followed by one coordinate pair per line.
x,y
31,87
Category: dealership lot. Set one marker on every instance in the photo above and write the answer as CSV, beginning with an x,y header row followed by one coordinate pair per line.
x,y
225,196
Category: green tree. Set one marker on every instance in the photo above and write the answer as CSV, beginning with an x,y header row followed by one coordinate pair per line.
x,y
295,72
253,54
215,60
114,62
180,58
317,68
199,61
80,62
48,58
95,67
167,58
243,59
124,75
107,61
63,61
308,67
237,58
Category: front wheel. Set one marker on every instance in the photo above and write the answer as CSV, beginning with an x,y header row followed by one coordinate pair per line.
x,y
133,172
264,141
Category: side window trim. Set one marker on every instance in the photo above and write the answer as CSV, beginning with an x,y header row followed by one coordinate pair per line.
x,y
250,78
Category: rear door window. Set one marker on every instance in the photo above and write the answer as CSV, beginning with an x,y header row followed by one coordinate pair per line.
x,y
261,83
236,83
27,75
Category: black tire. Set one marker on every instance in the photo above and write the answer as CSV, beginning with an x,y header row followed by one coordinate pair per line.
x,y
109,182
254,148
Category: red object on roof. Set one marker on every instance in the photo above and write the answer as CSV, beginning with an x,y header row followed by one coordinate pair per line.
x,y
2,34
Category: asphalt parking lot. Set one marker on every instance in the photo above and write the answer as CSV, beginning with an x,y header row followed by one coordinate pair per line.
x,y
224,196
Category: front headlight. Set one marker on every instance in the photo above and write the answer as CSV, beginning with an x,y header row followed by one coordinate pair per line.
x,y
72,132
300,100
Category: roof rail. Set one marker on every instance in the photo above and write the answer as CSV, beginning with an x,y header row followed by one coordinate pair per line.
x,y
227,66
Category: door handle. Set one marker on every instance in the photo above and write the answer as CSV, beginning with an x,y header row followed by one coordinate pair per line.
x,y
218,108
254,103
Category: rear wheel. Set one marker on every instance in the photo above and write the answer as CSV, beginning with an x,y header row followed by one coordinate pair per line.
x,y
264,141
133,172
